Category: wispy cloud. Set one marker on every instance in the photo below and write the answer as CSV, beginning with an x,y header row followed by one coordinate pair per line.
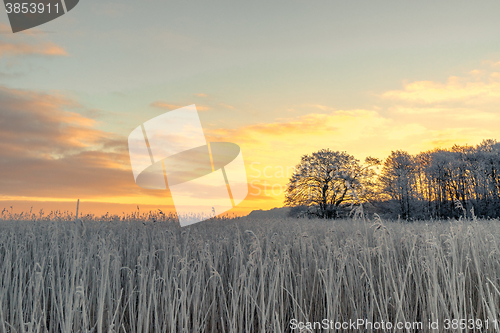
x,y
345,124
47,48
447,115
464,109
48,150
29,44
480,86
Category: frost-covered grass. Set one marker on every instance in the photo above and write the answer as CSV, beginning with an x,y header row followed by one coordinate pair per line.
x,y
241,275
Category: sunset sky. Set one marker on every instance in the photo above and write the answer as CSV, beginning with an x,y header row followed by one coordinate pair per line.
x,y
279,78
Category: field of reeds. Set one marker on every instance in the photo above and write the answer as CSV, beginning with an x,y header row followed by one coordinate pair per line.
x,y
146,274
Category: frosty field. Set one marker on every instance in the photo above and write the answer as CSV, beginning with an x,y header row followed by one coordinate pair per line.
x,y
146,274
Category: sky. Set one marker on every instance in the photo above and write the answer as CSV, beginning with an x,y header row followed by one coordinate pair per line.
x,y
279,78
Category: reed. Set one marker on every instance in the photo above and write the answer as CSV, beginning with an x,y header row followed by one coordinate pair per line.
x,y
143,273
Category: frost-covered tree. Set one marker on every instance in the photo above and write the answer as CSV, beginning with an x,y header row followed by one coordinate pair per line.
x,y
440,183
325,180
398,178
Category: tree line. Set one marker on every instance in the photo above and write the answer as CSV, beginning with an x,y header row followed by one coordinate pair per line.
x,y
440,183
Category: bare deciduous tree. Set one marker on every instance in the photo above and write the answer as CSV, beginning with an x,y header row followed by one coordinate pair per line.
x,y
432,182
325,180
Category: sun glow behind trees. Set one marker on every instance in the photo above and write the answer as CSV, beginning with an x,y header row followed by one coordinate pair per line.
x,y
440,183
462,180
327,179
